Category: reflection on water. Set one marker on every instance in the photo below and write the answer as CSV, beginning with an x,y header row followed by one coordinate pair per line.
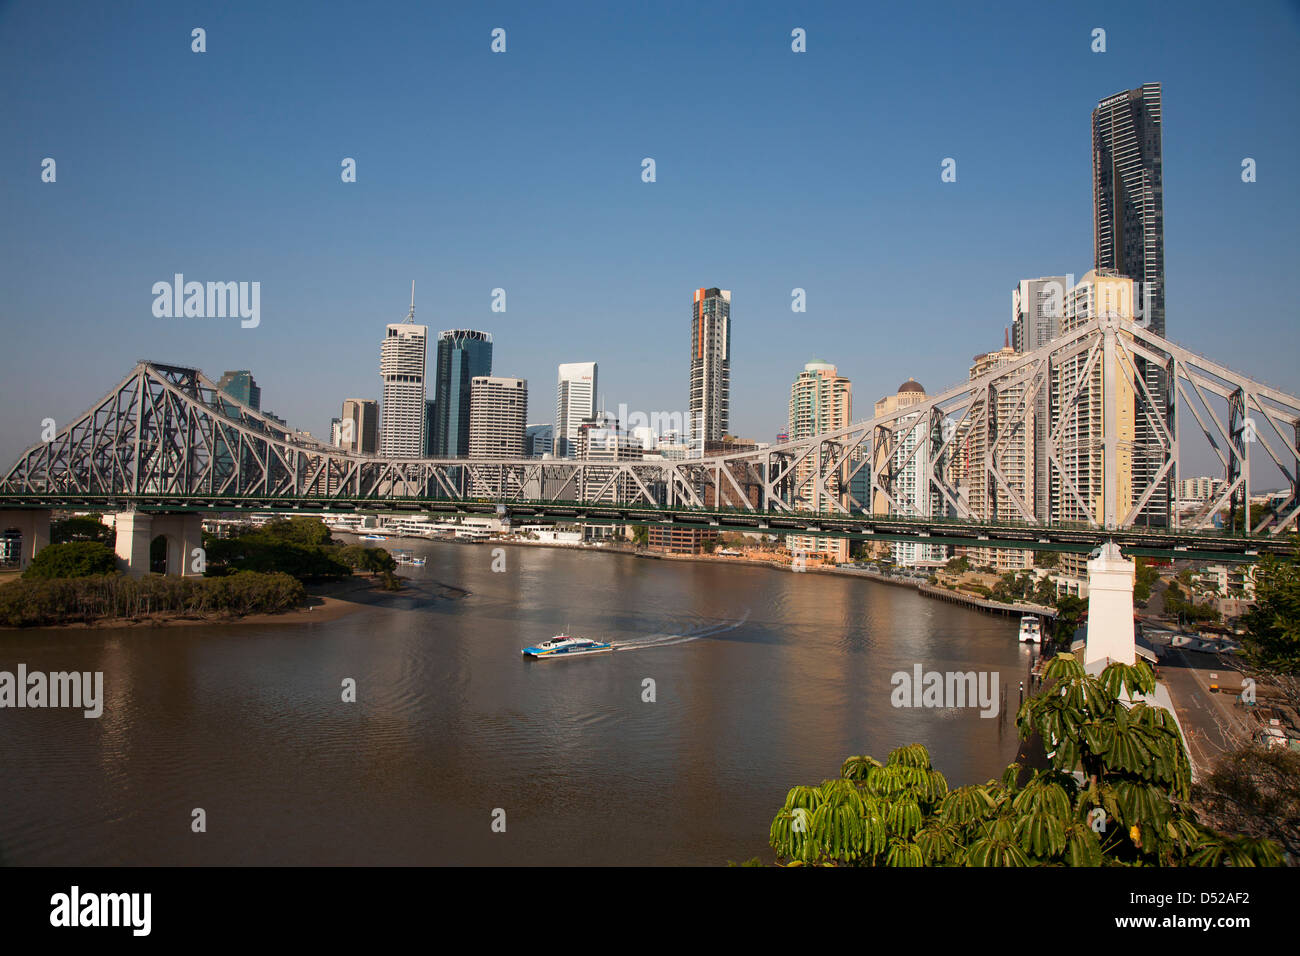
x,y
763,680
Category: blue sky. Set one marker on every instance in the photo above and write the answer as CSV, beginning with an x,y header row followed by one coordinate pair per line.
x,y
521,170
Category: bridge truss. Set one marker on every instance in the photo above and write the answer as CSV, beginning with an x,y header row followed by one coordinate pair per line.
x,y
1048,438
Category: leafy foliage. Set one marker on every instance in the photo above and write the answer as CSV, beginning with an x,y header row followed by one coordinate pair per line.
x,y
1070,612
300,546
1110,763
1145,577
74,559
42,602
369,560
81,528
1273,623
1185,608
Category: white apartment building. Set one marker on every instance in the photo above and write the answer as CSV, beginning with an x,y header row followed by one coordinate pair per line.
x,y
575,400
821,400
402,365
498,412
987,498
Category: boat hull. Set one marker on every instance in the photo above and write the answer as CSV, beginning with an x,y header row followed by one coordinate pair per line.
x,y
545,654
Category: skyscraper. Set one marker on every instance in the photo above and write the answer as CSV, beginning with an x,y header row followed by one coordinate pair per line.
x,y
911,487
1129,238
360,429
1084,487
539,440
241,386
402,365
463,355
430,426
821,400
1037,306
1008,438
498,413
575,401
710,365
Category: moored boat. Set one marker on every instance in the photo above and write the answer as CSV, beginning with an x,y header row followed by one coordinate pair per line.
x,y
1030,629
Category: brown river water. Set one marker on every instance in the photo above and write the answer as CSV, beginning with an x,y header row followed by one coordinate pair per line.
x,y
763,679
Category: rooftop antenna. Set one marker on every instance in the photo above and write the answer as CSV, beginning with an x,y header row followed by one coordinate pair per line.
x,y
410,316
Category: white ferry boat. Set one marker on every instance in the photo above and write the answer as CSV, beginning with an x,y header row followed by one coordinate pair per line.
x,y
1030,629
562,645
373,537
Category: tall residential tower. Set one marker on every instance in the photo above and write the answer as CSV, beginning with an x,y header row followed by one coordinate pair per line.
x,y
821,400
710,365
1129,238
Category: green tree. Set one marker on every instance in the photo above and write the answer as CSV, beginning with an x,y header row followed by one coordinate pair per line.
x,y
1273,621
73,559
1145,578
367,560
1047,559
300,529
1045,592
1070,612
1131,808
1185,608
81,528
640,535
268,553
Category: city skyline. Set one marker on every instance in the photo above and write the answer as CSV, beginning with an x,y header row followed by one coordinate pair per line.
x,y
827,235
1046,245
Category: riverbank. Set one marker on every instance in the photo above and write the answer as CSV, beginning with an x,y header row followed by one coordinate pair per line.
x,y
325,602
972,601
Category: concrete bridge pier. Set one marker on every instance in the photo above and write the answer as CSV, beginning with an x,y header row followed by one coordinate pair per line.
x,y
1110,607
34,526
136,531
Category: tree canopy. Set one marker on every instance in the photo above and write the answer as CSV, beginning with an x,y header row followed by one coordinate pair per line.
x,y
1116,793
1273,622
81,528
73,559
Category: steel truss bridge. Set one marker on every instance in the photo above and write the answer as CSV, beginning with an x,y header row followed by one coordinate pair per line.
x,y
1056,449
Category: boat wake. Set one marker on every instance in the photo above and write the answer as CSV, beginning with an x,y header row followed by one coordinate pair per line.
x,y
667,640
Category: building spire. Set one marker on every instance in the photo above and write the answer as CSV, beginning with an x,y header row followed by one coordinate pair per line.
x,y
410,316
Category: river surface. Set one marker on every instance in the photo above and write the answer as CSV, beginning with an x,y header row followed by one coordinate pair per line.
x,y
763,679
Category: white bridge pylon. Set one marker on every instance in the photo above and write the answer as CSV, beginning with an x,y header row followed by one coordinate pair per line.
x,y
1082,410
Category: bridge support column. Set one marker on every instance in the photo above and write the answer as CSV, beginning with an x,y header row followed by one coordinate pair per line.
x,y
34,526
184,533
1110,607
134,534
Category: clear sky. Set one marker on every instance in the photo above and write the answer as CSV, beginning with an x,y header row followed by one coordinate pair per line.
x,y
522,171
